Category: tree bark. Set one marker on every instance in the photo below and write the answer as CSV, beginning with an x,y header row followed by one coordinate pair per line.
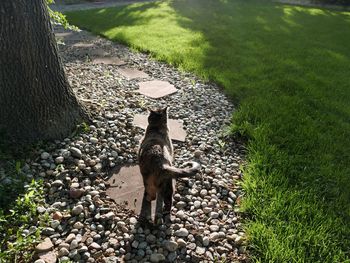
x,y
36,100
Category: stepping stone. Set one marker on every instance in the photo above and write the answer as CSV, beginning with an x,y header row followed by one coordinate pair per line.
x,y
131,73
71,37
98,52
156,88
63,34
108,61
126,188
176,130
83,45
60,29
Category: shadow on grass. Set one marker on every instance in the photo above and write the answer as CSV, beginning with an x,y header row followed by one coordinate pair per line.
x,y
126,15
288,67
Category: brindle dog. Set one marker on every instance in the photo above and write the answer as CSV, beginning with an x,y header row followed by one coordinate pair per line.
x,y
155,160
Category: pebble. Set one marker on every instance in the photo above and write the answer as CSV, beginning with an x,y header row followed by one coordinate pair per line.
x,y
232,195
197,204
200,250
180,205
157,257
94,245
214,215
205,241
73,244
45,155
75,185
69,238
63,252
214,228
48,231
239,240
76,193
141,253
54,224
142,245
191,246
57,183
181,242
77,209
151,239
181,214
197,153
135,244
78,225
171,246
172,256
94,140
203,192
108,216
207,210
65,153
63,245
182,232
84,249
214,236
133,220
59,159
57,215
75,152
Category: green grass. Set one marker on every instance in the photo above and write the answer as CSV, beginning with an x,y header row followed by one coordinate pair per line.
x,y
289,68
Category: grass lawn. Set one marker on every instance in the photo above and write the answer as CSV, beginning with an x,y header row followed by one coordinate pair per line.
x,y
289,69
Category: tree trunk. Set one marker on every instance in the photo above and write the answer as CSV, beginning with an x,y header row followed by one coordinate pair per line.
x,y
36,100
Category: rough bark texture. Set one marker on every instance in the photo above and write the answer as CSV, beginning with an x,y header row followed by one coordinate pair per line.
x,y
36,100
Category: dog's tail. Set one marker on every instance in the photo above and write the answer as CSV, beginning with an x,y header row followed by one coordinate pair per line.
x,y
174,172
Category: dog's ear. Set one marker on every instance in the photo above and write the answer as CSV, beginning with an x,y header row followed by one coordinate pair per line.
x,y
165,110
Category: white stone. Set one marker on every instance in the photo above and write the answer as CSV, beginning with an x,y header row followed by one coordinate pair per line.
x,y
45,155
77,210
205,241
171,245
182,232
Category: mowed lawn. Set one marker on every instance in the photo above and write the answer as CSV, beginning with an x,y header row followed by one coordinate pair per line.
x,y
288,68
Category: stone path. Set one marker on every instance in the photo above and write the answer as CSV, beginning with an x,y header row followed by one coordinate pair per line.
x,y
92,183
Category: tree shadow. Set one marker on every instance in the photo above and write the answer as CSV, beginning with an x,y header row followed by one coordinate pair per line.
x,y
12,178
126,15
288,66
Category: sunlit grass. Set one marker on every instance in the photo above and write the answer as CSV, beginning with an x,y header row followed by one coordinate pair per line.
x,y
289,69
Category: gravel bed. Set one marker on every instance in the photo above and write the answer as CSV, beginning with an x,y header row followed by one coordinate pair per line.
x,y
85,224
